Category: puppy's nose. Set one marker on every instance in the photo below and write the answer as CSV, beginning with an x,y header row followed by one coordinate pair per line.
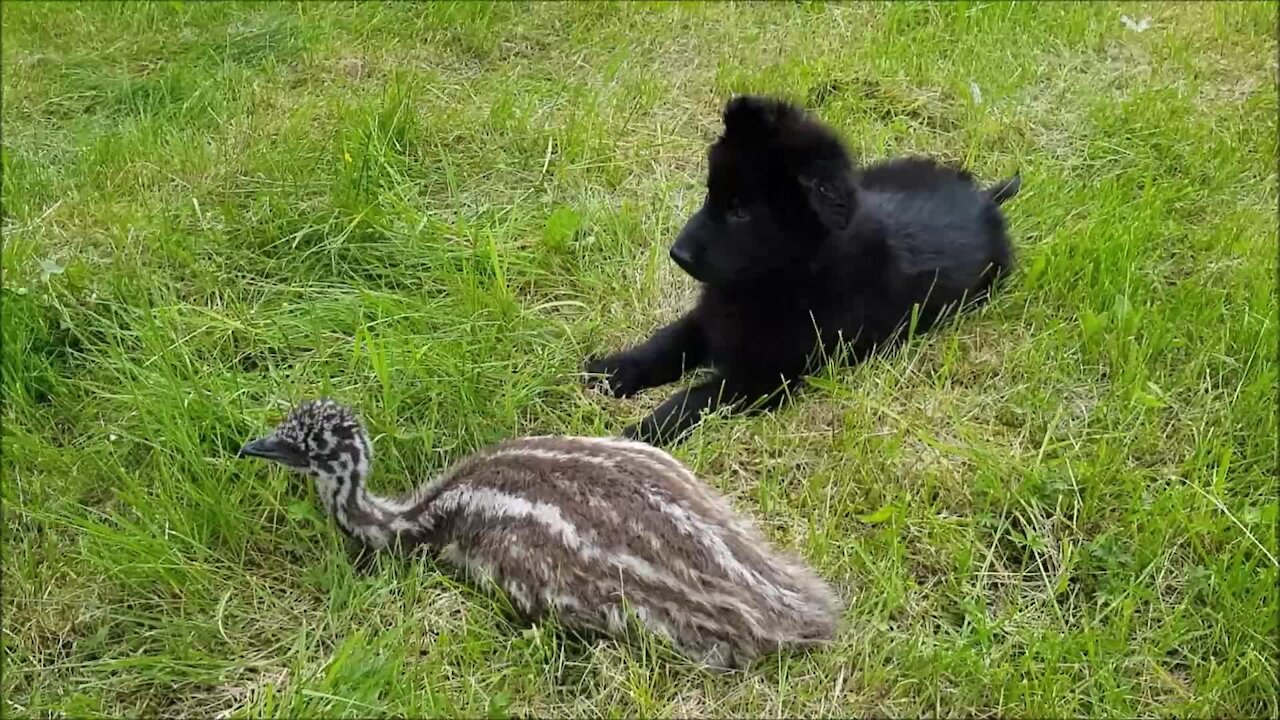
x,y
683,258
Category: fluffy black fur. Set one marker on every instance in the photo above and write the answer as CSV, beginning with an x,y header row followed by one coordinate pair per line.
x,y
798,251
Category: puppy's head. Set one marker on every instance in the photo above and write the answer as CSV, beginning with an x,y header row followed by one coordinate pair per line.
x,y
778,184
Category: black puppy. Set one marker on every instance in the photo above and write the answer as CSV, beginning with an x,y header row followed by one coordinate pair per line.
x,y
798,252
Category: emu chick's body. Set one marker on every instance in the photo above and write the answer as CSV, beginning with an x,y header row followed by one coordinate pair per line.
x,y
586,528
797,251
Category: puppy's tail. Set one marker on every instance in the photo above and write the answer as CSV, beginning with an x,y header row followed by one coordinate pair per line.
x,y
1002,192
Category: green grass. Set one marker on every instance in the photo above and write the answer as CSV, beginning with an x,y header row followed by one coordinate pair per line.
x,y
1065,504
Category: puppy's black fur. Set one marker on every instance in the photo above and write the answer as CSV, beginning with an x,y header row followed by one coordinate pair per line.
x,y
797,251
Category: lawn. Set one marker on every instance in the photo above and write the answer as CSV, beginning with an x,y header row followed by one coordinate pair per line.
x,y
1064,504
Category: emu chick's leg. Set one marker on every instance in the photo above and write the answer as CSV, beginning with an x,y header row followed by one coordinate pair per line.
x,y
663,358
673,418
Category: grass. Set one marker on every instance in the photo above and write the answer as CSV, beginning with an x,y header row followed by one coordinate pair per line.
x,y
1065,504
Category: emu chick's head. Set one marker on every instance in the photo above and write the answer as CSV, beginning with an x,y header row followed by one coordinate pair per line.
x,y
319,438
778,183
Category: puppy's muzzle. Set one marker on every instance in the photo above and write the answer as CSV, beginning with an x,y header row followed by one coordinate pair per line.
x,y
687,250
684,258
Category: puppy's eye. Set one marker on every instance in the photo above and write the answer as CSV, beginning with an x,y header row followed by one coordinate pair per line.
x,y
738,213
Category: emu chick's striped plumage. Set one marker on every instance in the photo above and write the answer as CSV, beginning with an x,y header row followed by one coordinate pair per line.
x,y
587,528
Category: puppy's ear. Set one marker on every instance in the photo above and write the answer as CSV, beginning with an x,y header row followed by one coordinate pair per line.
x,y
832,199
755,117
1004,191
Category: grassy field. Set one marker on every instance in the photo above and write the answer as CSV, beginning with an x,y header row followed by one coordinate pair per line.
x,y
1063,505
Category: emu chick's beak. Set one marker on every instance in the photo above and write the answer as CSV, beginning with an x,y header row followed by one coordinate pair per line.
x,y
272,448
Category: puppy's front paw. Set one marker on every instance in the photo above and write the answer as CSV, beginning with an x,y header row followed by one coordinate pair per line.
x,y
650,431
634,432
618,375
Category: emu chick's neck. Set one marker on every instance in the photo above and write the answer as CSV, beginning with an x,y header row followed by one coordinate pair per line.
x,y
374,521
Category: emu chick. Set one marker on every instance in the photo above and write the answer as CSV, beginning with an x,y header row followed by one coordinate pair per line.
x,y
586,528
